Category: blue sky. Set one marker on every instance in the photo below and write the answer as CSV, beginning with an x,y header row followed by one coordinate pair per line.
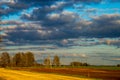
x,y
69,28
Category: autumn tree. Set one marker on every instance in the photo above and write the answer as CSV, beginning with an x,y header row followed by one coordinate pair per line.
x,y
118,65
56,61
5,59
23,59
17,60
76,64
47,61
29,59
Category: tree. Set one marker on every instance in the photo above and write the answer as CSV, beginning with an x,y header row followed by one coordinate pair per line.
x,y
5,59
47,61
76,64
29,59
23,59
56,61
118,65
85,64
17,60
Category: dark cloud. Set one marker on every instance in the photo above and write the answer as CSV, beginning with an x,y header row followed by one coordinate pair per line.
x,y
104,26
66,19
10,23
8,8
88,1
38,2
50,20
41,13
18,5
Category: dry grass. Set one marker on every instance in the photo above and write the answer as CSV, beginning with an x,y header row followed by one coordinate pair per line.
x,y
24,75
104,74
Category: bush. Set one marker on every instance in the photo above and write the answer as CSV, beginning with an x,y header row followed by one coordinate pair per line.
x,y
118,65
76,64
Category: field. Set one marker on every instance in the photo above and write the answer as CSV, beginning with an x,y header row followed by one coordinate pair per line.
x,y
7,74
104,73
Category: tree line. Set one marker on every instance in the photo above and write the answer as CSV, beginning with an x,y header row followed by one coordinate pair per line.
x,y
20,59
27,59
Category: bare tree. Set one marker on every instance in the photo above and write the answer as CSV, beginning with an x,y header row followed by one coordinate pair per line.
x,y
56,61
47,61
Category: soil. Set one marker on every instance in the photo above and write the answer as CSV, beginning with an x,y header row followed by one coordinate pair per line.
x,y
91,73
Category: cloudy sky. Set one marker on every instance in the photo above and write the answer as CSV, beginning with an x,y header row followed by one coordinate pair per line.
x,y
76,30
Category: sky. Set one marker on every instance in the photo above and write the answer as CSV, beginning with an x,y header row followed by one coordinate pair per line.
x,y
75,30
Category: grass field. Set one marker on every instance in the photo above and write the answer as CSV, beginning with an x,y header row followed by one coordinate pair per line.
x,y
105,73
7,74
90,67
61,73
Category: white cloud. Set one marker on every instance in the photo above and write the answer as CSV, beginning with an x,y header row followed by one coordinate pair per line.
x,y
11,1
54,16
66,12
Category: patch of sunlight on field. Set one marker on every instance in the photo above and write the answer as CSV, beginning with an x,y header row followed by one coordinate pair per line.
x,y
24,75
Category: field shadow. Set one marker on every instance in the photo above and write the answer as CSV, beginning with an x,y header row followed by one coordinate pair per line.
x,y
1,78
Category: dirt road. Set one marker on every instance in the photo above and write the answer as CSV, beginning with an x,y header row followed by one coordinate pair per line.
x,y
24,75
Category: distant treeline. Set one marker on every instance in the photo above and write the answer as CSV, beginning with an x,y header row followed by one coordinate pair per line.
x,y
27,59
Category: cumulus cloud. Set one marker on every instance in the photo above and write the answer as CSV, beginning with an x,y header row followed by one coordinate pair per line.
x,y
88,1
64,27
8,8
49,20
10,23
18,5
105,26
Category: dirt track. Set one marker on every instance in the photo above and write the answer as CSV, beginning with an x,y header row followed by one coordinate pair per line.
x,y
24,75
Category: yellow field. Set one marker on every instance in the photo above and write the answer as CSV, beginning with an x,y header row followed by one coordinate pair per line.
x,y
24,75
